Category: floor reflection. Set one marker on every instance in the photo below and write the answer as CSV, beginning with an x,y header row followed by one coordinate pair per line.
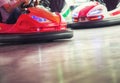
x,y
92,56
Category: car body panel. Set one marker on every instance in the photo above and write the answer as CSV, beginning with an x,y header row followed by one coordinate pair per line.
x,y
36,20
93,12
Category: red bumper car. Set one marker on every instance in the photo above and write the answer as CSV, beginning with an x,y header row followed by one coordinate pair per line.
x,y
36,24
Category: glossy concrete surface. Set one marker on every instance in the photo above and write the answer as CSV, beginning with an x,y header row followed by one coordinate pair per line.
x,y
91,56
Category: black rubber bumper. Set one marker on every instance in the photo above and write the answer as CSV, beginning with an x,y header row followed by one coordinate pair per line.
x,y
9,38
95,24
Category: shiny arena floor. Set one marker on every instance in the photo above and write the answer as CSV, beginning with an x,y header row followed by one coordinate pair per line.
x,y
91,56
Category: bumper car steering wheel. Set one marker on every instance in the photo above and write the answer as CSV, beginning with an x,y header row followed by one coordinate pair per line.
x,y
30,4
